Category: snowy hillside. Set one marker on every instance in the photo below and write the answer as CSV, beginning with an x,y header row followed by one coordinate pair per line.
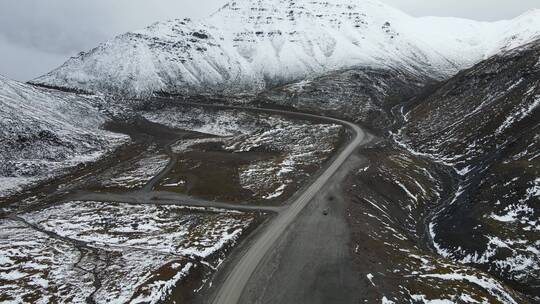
x,y
249,45
44,132
361,95
485,123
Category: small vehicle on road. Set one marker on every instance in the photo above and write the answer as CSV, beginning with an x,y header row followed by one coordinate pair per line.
x,y
325,212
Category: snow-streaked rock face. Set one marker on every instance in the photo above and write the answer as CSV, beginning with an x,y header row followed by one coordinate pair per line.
x,y
361,95
485,123
249,45
388,201
43,132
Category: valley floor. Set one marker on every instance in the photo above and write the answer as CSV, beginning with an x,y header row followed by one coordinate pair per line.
x,y
136,227
172,216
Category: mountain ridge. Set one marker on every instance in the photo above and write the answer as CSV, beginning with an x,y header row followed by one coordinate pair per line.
x,y
250,45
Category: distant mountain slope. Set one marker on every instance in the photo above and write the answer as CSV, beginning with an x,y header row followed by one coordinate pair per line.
x,y
485,122
249,45
364,95
43,132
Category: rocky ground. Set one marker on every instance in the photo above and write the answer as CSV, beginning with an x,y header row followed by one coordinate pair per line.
x,y
484,124
389,201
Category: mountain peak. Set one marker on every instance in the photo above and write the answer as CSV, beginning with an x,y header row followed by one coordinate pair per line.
x,y
287,11
534,12
248,45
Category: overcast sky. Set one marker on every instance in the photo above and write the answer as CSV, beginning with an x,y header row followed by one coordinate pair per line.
x,y
38,35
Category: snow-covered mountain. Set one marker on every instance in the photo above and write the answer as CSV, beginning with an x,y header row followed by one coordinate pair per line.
x,y
44,132
249,45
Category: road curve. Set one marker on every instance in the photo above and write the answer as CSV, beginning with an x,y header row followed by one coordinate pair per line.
x,y
235,282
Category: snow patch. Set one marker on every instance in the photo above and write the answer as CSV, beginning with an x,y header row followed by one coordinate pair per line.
x,y
488,284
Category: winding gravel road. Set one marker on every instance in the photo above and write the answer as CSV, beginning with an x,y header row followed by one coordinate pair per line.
x,y
237,279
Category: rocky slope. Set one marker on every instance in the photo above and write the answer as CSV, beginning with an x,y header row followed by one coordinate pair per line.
x,y
388,202
249,45
43,132
485,123
363,95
